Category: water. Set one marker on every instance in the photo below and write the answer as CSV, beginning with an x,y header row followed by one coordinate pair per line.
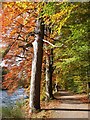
x,y
10,100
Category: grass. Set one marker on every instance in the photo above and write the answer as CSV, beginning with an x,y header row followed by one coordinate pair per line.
x,y
13,112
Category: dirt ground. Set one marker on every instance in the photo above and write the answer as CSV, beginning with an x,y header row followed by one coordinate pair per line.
x,y
65,105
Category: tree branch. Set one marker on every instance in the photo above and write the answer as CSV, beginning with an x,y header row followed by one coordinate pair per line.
x,y
20,56
55,46
25,46
7,49
48,42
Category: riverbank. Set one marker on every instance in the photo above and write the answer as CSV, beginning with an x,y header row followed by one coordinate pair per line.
x,y
12,105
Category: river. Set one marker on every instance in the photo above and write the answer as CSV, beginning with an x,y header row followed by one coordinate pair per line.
x,y
10,100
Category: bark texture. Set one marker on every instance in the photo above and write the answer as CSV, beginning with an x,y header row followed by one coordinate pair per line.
x,y
36,67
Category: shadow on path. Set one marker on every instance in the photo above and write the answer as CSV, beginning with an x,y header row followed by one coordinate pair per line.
x,y
63,93
66,109
68,97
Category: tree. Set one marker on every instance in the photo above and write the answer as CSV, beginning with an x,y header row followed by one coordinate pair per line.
x,y
21,32
49,67
36,67
55,16
18,25
72,62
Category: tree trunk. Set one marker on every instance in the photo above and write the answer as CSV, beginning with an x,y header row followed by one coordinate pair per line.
x,y
47,77
49,69
49,72
36,67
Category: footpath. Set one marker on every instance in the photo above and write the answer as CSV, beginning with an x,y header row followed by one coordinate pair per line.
x,y
65,105
71,106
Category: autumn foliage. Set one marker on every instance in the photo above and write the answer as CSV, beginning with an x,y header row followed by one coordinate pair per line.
x,y
18,23
68,26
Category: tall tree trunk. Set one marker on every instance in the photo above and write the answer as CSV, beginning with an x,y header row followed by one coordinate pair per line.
x,y
47,77
36,67
49,71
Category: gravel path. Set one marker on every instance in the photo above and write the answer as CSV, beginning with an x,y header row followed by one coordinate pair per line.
x,y
70,106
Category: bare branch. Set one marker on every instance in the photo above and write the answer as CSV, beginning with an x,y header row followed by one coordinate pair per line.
x,y
55,46
48,42
20,56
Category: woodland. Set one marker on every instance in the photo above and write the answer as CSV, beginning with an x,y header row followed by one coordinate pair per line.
x,y
45,45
